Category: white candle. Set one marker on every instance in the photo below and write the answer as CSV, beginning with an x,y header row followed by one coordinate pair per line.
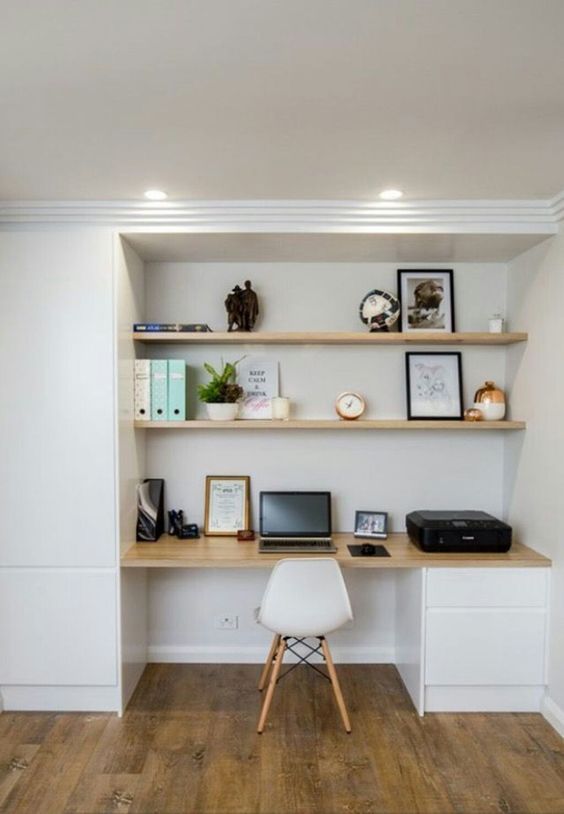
x,y
280,408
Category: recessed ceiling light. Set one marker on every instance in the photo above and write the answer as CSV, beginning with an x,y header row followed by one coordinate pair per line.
x,y
155,195
391,194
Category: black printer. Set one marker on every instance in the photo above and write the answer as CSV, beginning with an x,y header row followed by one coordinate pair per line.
x,y
465,531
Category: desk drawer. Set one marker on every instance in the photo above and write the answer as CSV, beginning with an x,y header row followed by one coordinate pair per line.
x,y
485,646
486,587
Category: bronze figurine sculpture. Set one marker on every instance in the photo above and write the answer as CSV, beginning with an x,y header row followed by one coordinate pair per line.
x,y
242,308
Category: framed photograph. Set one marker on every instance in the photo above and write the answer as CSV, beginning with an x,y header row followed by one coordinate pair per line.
x,y
427,300
371,524
434,385
227,504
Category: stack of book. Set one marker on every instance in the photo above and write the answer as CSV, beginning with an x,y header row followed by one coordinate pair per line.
x,y
170,327
160,390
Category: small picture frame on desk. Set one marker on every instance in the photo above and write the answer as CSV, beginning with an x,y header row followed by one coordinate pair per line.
x,y
371,525
227,505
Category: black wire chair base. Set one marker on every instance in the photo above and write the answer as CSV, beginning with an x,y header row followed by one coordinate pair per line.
x,y
291,642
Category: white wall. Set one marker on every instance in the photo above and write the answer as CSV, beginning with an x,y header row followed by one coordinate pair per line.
x,y
534,463
57,520
394,472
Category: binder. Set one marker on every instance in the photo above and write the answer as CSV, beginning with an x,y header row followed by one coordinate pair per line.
x,y
159,389
142,389
176,390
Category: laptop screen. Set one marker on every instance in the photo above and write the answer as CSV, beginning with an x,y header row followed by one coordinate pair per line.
x,y
295,514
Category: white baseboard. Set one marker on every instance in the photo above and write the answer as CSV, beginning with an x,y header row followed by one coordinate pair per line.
x,y
60,699
213,654
553,714
484,698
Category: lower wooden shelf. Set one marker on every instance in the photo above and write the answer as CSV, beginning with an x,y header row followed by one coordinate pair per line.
x,y
333,424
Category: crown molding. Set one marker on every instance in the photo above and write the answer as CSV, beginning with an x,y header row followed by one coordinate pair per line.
x,y
557,207
462,216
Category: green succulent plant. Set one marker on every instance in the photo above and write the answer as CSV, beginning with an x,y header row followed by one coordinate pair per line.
x,y
222,389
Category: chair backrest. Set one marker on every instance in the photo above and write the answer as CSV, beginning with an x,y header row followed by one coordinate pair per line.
x,y
305,597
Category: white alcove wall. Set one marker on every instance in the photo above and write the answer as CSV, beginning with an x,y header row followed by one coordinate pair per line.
x,y
389,471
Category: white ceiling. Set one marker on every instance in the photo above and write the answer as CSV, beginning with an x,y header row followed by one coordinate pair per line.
x,y
326,99
350,248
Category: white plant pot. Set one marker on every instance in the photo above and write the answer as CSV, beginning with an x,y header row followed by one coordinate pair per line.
x,y
222,412
491,412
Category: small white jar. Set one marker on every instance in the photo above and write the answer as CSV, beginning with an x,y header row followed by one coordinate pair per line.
x,y
496,324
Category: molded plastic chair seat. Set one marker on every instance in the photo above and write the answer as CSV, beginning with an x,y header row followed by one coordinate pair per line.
x,y
304,598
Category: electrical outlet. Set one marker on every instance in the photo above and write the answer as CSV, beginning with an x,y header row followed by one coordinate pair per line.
x,y
226,622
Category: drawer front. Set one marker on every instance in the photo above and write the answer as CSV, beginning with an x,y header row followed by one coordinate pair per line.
x,y
473,647
487,587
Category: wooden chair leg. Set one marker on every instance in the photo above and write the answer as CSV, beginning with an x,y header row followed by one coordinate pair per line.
x,y
272,684
268,663
336,686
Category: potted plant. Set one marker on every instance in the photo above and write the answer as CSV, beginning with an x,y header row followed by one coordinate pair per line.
x,y
222,393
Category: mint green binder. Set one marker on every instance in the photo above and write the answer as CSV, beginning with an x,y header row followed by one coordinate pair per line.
x,y
159,389
176,390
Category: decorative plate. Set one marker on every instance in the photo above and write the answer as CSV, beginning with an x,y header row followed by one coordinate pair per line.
x,y
379,309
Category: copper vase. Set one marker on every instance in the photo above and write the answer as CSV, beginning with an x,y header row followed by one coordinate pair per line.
x,y
490,400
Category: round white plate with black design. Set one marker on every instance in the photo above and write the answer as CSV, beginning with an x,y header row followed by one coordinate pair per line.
x,y
379,310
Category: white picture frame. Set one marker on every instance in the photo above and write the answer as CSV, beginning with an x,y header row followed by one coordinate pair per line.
x,y
258,376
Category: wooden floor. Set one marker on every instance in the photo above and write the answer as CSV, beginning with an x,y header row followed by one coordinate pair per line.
x,y
188,744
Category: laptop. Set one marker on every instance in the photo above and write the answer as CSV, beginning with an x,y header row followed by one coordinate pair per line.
x,y
298,522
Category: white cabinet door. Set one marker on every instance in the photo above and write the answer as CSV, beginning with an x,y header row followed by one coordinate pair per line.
x,y
57,409
485,646
57,627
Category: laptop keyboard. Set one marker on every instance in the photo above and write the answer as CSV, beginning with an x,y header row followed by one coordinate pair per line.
x,y
291,543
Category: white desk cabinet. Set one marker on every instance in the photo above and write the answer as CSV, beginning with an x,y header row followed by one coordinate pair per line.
x,y
481,637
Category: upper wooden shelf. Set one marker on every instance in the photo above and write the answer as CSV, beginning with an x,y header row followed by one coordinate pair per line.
x,y
329,338
331,424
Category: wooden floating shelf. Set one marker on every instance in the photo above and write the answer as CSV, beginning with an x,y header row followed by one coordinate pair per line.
x,y
329,338
332,424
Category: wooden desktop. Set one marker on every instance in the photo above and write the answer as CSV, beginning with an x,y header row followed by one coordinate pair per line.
x,y
227,552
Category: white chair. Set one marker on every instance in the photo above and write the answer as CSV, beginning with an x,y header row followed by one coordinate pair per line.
x,y
304,598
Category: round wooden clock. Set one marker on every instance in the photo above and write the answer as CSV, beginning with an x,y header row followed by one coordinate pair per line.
x,y
350,405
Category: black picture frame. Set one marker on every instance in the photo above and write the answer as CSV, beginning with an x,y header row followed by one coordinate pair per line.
x,y
378,535
446,274
457,414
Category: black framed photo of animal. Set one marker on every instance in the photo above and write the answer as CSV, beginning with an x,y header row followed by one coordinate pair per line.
x,y
427,300
434,385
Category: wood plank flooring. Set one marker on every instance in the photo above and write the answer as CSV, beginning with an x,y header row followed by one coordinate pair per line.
x,y
188,744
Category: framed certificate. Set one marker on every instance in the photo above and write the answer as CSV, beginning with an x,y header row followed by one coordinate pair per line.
x,y
227,504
